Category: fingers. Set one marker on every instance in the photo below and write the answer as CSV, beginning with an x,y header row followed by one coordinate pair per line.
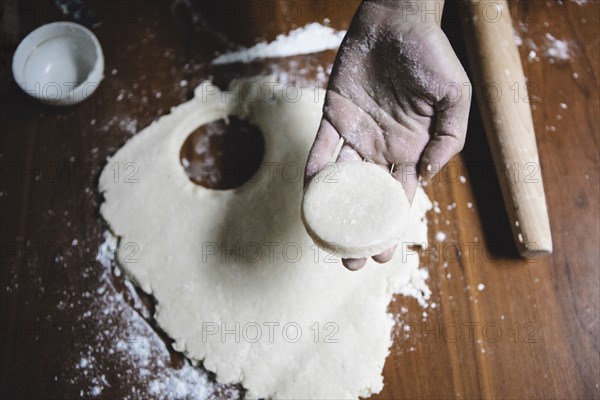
x,y
347,153
385,256
437,154
450,132
322,151
354,264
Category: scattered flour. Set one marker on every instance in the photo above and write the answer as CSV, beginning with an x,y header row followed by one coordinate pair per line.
x,y
134,345
557,49
125,124
553,49
311,38
532,56
417,288
106,250
518,40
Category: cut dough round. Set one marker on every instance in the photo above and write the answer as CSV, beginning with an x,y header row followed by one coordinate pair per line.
x,y
355,209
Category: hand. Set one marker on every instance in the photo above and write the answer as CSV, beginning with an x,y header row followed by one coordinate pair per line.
x,y
398,96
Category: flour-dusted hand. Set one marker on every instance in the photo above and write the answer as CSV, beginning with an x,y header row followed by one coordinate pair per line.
x,y
398,96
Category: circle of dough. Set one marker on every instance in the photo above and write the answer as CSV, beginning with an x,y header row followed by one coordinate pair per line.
x,y
355,209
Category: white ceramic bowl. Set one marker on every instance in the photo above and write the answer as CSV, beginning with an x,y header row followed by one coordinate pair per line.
x,y
59,63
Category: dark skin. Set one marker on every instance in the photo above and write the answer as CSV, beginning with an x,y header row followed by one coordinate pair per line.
x,y
398,97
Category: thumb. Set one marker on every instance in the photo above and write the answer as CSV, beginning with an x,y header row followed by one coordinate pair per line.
x,y
449,139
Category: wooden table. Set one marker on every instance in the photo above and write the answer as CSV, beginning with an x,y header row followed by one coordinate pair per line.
x,y
502,327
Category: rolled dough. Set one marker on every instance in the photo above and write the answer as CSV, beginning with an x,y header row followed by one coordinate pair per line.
x,y
355,209
238,282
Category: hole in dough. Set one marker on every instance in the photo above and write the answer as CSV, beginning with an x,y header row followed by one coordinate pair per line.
x,y
223,154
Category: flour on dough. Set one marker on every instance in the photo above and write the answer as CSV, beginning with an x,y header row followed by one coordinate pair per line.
x,y
355,209
239,283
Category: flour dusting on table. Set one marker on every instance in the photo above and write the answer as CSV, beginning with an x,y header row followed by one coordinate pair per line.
x,y
120,332
557,49
311,38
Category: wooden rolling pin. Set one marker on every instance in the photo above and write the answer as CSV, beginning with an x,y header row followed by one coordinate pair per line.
x,y
500,85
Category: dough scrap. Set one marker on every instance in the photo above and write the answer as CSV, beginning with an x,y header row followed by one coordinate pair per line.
x,y
238,282
355,209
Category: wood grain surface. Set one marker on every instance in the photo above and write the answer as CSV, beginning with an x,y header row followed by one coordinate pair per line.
x,y
502,327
